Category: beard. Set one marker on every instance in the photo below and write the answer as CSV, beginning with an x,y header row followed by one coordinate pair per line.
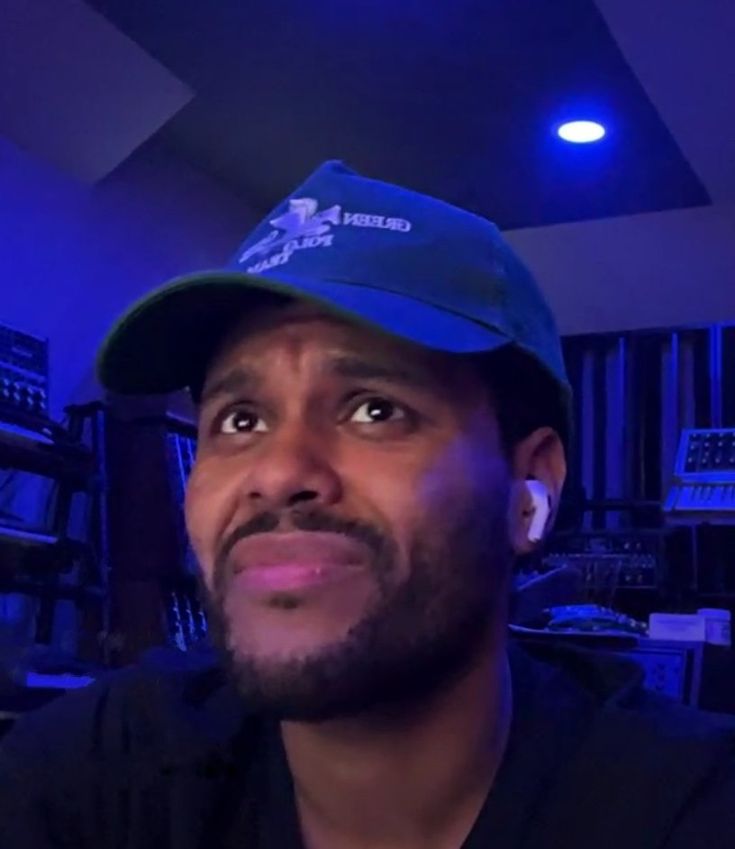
x,y
419,635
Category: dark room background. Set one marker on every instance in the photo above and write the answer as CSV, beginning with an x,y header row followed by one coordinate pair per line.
x,y
141,140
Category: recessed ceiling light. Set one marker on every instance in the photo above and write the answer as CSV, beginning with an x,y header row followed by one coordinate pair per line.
x,y
581,132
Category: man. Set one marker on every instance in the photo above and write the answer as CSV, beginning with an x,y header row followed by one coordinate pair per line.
x,y
383,415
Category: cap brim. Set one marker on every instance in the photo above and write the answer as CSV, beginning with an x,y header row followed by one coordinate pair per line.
x,y
162,342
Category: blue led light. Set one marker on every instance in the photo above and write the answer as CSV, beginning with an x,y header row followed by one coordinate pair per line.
x,y
581,132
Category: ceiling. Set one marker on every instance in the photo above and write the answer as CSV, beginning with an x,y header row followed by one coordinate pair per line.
x,y
457,98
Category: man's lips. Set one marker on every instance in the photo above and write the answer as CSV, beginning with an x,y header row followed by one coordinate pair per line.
x,y
284,577
294,560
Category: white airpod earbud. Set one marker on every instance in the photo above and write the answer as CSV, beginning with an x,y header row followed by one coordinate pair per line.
x,y
541,509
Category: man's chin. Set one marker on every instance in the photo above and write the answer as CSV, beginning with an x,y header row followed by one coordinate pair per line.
x,y
350,678
272,651
286,626
296,687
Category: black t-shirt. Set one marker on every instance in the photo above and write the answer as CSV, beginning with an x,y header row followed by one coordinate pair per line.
x,y
161,759
550,719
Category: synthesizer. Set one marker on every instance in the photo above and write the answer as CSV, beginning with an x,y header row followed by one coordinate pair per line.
x,y
703,484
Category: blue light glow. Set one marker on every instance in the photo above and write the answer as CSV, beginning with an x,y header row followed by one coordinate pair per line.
x,y
581,132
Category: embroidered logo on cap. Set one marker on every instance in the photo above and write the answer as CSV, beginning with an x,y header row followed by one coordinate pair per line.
x,y
303,227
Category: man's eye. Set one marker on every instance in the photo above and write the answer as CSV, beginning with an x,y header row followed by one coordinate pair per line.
x,y
241,421
377,410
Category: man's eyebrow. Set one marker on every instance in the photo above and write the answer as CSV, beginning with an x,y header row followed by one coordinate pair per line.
x,y
241,379
360,368
231,383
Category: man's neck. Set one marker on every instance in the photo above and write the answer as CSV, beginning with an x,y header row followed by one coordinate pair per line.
x,y
418,779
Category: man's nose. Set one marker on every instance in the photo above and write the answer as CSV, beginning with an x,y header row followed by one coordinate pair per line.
x,y
293,467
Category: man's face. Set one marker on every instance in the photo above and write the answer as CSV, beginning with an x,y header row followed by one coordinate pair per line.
x,y
348,508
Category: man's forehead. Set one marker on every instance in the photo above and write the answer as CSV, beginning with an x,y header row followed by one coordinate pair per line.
x,y
289,323
340,347
270,316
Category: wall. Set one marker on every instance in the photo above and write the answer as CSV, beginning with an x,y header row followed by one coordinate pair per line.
x,y
72,256
663,269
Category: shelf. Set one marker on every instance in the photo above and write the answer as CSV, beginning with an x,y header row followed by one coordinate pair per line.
x,y
67,592
30,451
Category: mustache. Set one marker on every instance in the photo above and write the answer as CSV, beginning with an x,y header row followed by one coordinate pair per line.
x,y
314,519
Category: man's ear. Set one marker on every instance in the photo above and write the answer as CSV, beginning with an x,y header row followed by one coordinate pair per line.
x,y
539,470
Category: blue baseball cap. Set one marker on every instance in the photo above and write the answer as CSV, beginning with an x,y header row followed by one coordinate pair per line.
x,y
378,254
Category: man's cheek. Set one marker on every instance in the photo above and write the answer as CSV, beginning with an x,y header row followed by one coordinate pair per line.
x,y
438,493
193,526
199,525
